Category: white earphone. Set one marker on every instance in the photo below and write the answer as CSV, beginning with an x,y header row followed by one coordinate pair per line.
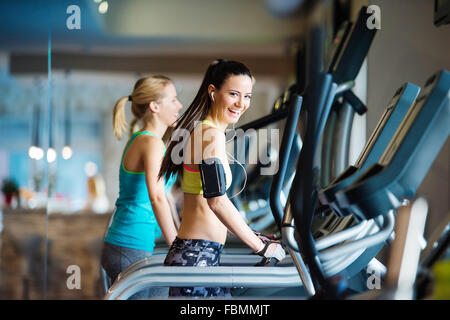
x,y
212,97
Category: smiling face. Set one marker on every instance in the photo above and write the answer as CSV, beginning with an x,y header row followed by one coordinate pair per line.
x,y
232,99
169,105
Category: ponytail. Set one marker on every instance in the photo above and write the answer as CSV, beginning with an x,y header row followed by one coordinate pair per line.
x,y
195,112
119,120
146,90
132,125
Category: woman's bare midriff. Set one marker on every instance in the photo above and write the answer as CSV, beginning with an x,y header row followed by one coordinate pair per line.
x,y
199,221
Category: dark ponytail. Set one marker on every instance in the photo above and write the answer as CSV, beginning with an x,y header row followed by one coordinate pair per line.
x,y
216,74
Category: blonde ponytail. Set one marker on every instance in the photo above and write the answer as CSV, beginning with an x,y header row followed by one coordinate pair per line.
x,y
119,120
146,90
132,125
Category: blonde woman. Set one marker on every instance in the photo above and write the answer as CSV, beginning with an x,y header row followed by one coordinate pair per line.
x,y
142,210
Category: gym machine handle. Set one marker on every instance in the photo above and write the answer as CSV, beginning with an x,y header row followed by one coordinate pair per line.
x,y
355,102
285,147
271,260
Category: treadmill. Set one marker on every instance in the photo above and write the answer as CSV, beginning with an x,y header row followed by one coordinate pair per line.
x,y
351,264
389,183
404,164
376,144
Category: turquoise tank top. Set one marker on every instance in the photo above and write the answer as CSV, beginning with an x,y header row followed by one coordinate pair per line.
x,y
134,223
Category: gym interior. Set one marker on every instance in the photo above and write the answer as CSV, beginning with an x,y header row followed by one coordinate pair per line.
x,y
355,189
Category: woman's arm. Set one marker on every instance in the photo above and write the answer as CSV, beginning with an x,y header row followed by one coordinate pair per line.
x,y
153,152
173,210
227,213
213,146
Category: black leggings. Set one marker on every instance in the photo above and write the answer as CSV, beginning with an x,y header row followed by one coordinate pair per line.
x,y
195,253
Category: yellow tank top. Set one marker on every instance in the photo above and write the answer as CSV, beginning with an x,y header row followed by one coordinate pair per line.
x,y
192,182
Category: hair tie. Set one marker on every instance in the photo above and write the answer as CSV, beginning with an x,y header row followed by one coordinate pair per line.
x,y
129,98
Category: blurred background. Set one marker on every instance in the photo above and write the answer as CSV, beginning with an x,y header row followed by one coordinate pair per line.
x,y
60,78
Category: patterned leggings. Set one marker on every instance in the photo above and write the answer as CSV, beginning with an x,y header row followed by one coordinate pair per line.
x,y
197,253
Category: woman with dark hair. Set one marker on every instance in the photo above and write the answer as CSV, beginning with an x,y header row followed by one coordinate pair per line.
x,y
201,162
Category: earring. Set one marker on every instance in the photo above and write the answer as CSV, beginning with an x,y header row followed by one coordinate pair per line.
x,y
212,97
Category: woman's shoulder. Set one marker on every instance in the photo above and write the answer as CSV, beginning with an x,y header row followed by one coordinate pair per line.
x,y
149,141
208,133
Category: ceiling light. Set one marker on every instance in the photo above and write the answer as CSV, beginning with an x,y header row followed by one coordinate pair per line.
x,y
103,7
51,155
66,152
32,152
38,153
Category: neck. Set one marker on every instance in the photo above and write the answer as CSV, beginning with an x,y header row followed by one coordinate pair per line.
x,y
220,125
156,127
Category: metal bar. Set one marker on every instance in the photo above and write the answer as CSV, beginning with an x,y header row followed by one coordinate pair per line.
x,y
303,272
225,260
341,236
285,149
341,139
206,276
327,147
361,243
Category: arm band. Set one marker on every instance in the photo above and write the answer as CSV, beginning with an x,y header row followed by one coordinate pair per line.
x,y
213,178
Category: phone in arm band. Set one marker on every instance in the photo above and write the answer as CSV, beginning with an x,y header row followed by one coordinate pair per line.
x,y
213,177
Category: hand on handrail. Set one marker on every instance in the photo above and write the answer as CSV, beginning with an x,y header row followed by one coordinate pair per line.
x,y
272,253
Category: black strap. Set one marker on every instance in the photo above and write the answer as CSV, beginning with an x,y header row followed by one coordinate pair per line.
x,y
267,243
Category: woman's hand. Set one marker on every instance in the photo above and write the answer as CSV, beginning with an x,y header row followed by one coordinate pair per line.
x,y
272,249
